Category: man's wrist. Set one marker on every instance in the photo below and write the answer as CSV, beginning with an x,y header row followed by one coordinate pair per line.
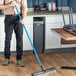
x,y
23,18
10,5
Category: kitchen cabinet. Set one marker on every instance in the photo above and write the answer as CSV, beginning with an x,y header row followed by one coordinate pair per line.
x,y
52,41
2,35
26,43
29,26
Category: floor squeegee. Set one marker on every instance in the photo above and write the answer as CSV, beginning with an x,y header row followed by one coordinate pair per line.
x,y
43,72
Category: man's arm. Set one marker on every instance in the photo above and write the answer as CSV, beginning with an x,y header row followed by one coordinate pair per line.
x,y
7,5
24,11
24,14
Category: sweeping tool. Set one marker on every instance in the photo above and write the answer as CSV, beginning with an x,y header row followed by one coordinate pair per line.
x,y
43,72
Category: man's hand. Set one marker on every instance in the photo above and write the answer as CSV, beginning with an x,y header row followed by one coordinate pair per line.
x,y
13,3
22,21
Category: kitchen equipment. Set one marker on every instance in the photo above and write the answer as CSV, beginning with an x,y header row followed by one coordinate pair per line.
x,y
41,7
51,6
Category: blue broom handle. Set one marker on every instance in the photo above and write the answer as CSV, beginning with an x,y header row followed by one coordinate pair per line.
x,y
29,37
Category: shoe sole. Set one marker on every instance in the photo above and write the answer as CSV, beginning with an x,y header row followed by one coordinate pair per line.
x,y
6,64
19,65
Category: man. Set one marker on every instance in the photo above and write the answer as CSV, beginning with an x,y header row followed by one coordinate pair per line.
x,y
12,22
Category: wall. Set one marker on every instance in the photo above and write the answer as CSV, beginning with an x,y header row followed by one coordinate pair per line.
x,y
62,2
31,2
72,3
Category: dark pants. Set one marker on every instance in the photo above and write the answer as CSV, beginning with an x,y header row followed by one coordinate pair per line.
x,y
13,23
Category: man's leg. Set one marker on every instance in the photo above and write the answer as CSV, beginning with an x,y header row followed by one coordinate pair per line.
x,y
8,35
19,42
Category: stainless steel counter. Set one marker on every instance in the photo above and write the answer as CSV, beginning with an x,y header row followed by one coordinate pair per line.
x,y
42,13
36,14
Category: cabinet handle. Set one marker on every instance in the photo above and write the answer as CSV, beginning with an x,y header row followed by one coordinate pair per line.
x,y
37,24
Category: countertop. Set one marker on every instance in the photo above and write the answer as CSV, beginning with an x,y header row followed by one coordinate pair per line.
x,y
42,13
36,14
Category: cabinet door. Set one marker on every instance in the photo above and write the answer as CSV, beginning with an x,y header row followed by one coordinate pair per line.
x,y
29,27
26,42
51,40
2,34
